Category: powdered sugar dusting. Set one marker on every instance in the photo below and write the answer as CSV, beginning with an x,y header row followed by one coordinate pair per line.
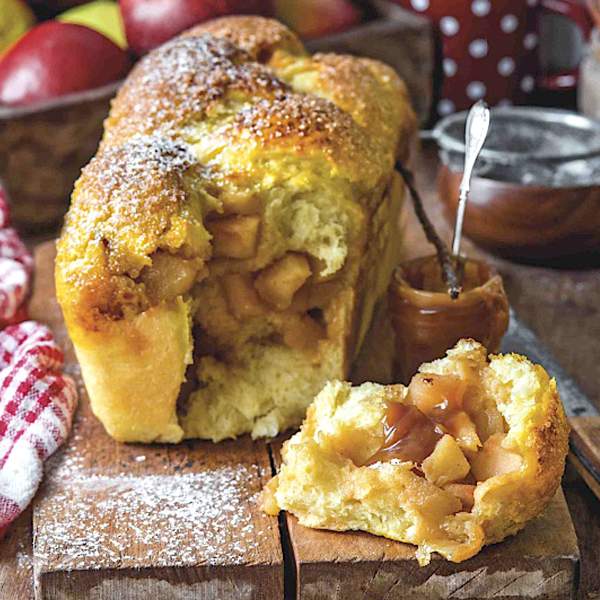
x,y
151,521
180,80
23,558
142,157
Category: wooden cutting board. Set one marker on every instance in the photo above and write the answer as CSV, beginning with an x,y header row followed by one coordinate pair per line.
x,y
130,521
540,562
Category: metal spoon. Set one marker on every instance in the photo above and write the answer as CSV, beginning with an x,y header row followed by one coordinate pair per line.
x,y
476,129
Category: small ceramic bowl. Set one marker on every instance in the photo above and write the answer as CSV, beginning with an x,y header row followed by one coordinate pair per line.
x,y
42,149
535,193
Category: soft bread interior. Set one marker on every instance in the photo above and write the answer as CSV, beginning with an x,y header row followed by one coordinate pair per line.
x,y
271,308
464,456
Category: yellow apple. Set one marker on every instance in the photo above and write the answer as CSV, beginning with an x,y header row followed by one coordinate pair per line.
x,y
15,19
102,15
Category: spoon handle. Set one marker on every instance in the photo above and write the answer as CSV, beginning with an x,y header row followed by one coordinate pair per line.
x,y
476,129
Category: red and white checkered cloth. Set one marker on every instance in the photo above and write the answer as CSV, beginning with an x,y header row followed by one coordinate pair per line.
x,y
37,401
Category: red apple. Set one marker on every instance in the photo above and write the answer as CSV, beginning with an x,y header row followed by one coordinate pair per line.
x,y
56,58
245,7
315,18
149,23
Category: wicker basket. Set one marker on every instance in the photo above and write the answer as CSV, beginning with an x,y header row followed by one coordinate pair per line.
x,y
42,150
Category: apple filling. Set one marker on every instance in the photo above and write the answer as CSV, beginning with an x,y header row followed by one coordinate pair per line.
x,y
276,300
288,291
261,309
170,276
433,429
282,296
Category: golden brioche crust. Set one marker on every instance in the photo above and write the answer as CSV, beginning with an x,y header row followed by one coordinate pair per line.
x,y
130,200
328,481
261,39
232,109
180,82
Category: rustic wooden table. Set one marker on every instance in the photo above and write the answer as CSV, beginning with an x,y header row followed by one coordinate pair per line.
x,y
561,306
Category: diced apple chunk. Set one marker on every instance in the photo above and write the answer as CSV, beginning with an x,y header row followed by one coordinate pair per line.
x,y
314,295
486,416
446,463
463,429
240,203
303,333
495,421
169,276
494,460
242,299
278,283
464,492
436,395
234,237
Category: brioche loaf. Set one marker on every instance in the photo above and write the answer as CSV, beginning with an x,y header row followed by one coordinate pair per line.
x,y
225,248
476,449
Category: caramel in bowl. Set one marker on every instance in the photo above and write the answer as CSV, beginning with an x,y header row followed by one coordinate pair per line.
x,y
427,322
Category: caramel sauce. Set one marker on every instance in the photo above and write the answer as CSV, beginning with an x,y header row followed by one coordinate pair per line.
x,y
412,430
409,435
427,321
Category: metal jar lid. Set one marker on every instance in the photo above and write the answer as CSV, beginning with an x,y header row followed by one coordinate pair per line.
x,y
522,134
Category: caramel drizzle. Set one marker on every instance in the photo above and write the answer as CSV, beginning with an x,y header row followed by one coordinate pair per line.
x,y
411,432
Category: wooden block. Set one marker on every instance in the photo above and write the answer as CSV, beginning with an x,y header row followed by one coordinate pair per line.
x,y
16,567
124,521
539,562
585,439
398,38
583,506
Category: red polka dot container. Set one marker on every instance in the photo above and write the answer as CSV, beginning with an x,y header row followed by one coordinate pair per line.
x,y
489,48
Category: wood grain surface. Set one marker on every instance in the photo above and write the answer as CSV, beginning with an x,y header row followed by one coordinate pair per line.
x,y
562,306
16,563
585,433
540,562
131,521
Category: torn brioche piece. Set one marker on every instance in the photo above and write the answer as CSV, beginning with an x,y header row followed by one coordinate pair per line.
x,y
464,456
227,245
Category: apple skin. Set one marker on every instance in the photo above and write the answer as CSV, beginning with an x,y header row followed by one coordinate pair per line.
x,y
149,23
56,58
102,15
15,19
315,18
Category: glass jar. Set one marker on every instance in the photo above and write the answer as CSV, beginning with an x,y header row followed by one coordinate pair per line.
x,y
427,322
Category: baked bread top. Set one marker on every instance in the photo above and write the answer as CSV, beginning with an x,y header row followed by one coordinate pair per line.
x,y
232,104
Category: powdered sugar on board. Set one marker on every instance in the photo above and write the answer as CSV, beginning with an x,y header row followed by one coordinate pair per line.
x,y
150,521
116,520
194,504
